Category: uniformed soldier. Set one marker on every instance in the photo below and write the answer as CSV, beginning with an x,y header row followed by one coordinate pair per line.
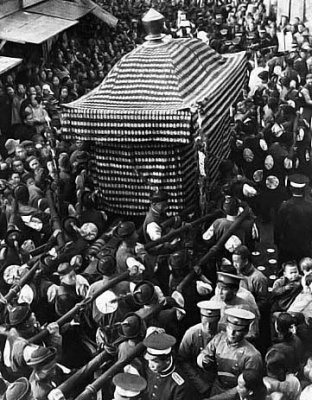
x,y
164,378
194,341
229,353
128,386
292,228
229,294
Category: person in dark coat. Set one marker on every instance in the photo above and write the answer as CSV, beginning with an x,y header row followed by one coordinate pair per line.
x,y
293,228
164,378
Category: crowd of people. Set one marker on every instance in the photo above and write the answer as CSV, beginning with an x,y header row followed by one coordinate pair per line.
x,y
188,315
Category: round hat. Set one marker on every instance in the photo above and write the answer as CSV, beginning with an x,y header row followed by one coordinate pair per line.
x,y
18,314
106,264
239,318
210,309
143,293
298,181
177,259
230,205
68,223
129,385
131,327
18,390
229,279
158,344
26,143
41,356
264,75
125,229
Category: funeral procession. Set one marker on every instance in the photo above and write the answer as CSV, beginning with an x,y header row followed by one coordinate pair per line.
x,y
155,200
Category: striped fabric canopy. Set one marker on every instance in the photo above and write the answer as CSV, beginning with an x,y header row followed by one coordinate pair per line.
x,y
145,113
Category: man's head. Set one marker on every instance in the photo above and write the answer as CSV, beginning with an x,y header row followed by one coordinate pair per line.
x,y
128,386
228,285
158,351
284,324
33,163
241,258
231,206
21,89
290,270
127,231
43,362
298,183
309,79
10,91
210,312
18,166
15,179
23,320
305,265
178,263
238,321
159,200
67,273
20,152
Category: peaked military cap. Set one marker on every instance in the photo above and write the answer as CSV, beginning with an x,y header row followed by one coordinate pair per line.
x,y
239,318
229,279
158,344
210,309
129,385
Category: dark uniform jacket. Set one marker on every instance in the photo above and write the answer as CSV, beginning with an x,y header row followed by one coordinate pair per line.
x,y
167,385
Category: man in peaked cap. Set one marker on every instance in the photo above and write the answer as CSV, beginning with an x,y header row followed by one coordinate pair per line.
x,y
164,378
292,228
128,386
230,352
194,341
229,296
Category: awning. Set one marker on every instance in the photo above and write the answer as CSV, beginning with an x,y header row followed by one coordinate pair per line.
x,y
26,27
99,12
61,9
7,63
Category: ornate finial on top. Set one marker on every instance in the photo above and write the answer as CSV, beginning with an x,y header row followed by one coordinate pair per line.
x,y
153,23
